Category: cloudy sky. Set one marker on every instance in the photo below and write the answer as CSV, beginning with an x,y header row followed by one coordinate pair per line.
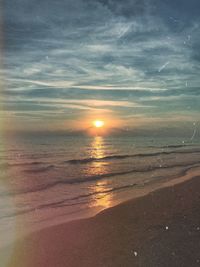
x,y
132,62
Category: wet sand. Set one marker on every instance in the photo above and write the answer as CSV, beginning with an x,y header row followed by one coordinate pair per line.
x,y
159,229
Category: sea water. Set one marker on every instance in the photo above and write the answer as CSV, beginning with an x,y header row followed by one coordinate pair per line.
x,y
50,180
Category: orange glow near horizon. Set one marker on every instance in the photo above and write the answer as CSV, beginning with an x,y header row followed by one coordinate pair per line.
x,y
97,124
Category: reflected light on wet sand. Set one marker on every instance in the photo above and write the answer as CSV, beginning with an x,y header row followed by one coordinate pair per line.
x,y
101,199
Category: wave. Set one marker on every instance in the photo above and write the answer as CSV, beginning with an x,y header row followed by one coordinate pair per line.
x,y
118,188
170,146
141,155
94,178
42,169
30,163
8,165
176,146
65,202
112,174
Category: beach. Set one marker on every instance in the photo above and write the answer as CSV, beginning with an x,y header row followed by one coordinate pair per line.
x,y
100,133
159,229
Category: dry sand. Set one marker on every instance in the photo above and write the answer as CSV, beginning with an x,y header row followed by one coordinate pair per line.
x,y
160,229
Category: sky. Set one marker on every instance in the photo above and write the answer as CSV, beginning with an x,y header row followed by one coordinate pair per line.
x,y
132,63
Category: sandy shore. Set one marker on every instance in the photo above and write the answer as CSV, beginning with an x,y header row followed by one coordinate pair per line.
x,y
160,229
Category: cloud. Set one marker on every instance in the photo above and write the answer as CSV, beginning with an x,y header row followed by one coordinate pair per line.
x,y
128,57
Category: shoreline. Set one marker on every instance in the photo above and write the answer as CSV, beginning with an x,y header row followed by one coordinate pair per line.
x,y
124,235
121,199
126,196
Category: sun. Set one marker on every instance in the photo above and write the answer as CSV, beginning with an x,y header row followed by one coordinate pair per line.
x,y
98,124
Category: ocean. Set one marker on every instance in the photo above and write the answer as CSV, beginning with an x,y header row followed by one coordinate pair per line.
x,y
51,180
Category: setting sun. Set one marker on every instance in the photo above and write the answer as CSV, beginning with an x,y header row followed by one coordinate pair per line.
x,y
98,123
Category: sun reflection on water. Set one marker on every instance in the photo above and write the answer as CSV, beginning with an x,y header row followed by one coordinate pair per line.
x,y
97,147
101,199
97,152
